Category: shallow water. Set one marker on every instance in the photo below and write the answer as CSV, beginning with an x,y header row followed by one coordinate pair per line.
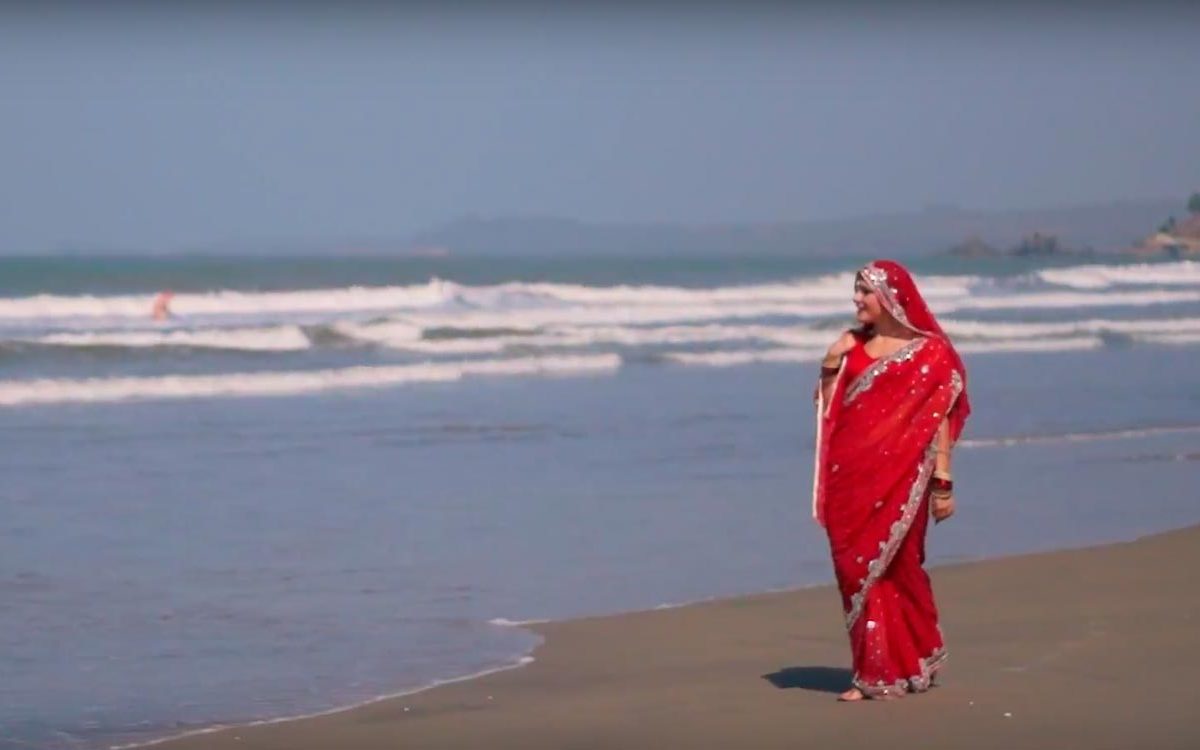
x,y
172,563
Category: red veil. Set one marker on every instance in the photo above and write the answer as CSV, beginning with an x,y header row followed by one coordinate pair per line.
x,y
875,455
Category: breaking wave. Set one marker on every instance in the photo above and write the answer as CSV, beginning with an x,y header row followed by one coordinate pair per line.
x,y
94,390
442,330
1185,273
809,296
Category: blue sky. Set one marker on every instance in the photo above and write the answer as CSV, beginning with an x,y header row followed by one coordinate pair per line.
x,y
130,127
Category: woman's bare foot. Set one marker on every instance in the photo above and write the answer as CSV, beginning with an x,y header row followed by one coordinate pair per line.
x,y
853,694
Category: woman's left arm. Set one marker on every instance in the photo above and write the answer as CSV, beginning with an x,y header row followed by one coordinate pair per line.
x,y
942,465
942,498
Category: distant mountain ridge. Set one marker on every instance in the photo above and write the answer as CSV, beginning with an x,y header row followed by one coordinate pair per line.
x,y
1103,227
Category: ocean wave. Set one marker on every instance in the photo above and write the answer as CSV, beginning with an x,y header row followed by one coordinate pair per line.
x,y
437,293
1181,338
266,339
1072,343
969,334
102,390
739,358
1078,437
751,310
1185,273
522,305
407,336
568,351
1072,299
504,622
971,329
138,307
784,354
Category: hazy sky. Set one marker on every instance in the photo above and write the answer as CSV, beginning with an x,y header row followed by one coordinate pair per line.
x,y
141,129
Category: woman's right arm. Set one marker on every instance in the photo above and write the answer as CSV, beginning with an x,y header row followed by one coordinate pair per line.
x,y
832,361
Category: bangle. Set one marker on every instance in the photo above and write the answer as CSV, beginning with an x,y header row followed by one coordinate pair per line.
x,y
941,485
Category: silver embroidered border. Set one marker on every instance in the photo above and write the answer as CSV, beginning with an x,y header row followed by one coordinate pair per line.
x,y
877,279
916,493
918,683
865,380
887,549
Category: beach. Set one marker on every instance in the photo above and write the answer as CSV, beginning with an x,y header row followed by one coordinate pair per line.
x,y
1086,648
406,377
284,503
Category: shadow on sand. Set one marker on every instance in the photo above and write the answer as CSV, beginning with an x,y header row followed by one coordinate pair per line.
x,y
821,679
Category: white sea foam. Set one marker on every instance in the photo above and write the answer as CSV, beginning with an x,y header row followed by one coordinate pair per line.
x,y
1078,437
736,358
384,332
1173,339
1186,273
283,383
408,337
1070,299
657,314
266,339
349,299
504,622
1074,343
1005,329
51,391
519,304
525,328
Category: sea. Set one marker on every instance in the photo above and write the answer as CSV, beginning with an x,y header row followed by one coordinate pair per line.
x,y
323,480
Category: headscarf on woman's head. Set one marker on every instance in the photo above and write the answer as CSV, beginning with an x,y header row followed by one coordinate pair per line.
x,y
898,294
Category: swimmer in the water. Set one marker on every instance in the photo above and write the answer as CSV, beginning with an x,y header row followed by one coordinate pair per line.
x,y
162,305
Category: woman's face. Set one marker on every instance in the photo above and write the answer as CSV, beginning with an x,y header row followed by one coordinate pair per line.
x,y
866,302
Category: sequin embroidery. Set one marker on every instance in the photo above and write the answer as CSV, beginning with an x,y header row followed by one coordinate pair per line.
x,y
863,382
887,549
917,683
877,279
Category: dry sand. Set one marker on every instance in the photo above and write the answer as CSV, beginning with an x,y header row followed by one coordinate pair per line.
x,y
1095,648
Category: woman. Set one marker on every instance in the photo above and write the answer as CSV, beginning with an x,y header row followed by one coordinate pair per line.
x,y
891,403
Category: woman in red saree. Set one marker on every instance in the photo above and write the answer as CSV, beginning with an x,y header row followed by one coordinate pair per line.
x,y
891,403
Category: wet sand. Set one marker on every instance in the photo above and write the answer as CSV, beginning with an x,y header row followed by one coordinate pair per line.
x,y
1094,648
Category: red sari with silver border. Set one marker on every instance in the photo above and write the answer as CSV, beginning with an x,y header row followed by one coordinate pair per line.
x,y
875,455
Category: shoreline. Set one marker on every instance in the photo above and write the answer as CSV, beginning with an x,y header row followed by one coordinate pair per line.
x,y
500,622
520,662
434,712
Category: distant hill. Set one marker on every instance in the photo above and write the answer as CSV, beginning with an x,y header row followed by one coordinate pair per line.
x,y
1178,240
1100,227
1106,227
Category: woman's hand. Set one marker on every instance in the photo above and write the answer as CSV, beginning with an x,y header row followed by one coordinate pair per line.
x,y
838,349
941,506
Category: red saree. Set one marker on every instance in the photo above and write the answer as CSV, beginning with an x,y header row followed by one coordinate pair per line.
x,y
875,455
